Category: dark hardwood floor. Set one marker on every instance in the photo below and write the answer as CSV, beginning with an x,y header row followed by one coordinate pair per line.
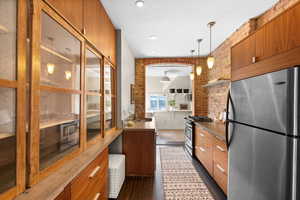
x,y
150,188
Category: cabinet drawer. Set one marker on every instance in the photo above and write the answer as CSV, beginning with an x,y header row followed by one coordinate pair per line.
x,y
98,191
83,184
205,156
220,153
202,137
220,176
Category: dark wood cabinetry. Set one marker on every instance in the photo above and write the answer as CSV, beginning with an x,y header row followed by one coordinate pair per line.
x,y
65,195
273,47
99,29
139,149
90,18
71,10
212,153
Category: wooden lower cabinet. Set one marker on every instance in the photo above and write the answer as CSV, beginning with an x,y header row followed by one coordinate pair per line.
x,y
212,153
139,149
91,183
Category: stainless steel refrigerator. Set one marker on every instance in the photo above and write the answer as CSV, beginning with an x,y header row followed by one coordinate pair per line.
x,y
262,135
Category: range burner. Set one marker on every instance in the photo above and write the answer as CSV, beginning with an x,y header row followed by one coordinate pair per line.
x,y
200,118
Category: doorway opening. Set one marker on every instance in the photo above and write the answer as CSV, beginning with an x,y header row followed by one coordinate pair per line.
x,y
168,100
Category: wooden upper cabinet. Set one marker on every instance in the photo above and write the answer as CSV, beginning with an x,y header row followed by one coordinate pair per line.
x,y
274,46
293,20
71,10
243,53
276,36
99,29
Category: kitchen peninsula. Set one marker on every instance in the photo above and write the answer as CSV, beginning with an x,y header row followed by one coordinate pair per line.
x,y
139,147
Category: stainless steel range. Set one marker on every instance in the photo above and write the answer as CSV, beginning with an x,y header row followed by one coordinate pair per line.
x,y
190,129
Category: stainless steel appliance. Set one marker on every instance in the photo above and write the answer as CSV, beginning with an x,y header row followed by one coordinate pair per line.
x,y
262,135
189,131
69,135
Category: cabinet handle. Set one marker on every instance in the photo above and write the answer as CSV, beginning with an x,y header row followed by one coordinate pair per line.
x,y
94,172
220,168
202,135
220,148
97,196
253,59
202,149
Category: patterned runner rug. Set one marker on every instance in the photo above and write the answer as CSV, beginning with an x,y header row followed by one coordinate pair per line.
x,y
180,179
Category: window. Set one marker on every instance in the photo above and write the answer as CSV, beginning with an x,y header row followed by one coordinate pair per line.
x,y
157,102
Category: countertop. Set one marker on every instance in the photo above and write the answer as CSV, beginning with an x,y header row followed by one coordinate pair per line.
x,y
141,125
215,128
54,184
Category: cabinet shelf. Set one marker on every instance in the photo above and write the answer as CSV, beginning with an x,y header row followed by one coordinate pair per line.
x,y
57,54
6,135
3,29
216,83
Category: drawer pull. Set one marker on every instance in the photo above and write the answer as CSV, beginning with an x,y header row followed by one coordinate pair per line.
x,y
94,172
97,196
202,149
220,148
220,168
202,135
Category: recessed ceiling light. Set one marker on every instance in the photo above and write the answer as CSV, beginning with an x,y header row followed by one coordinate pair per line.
x,y
152,37
139,3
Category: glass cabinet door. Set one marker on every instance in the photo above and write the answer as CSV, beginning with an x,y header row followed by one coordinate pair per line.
x,y
108,96
60,92
93,94
12,140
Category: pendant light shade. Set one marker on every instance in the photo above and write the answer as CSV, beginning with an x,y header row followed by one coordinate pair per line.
x,y
50,68
210,62
192,76
210,59
199,67
165,78
199,70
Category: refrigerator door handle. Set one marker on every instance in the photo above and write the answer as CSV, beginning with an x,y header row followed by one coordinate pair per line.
x,y
227,120
229,101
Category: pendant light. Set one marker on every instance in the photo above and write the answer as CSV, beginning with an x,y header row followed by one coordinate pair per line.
x,y
50,66
192,76
210,59
199,67
165,78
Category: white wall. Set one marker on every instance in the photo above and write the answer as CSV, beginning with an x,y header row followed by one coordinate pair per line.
x,y
127,76
154,86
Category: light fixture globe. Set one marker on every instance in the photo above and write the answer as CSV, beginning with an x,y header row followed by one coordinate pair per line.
x,y
198,70
50,68
165,79
139,3
192,76
210,62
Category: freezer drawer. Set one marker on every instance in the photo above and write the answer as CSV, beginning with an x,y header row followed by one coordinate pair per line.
x,y
260,165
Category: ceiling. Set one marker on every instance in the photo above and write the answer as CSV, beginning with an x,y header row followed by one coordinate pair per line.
x,y
177,23
172,71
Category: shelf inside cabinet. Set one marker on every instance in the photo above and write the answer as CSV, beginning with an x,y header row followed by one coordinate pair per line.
x,y
216,83
6,135
55,122
55,53
3,29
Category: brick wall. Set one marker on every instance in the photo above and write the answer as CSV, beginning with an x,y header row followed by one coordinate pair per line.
x,y
200,94
217,95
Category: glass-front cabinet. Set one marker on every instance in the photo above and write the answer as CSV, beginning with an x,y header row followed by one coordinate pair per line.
x,y
109,96
93,84
67,100
56,93
59,92
12,95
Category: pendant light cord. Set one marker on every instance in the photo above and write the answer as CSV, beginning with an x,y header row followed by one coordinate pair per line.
x,y
210,40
